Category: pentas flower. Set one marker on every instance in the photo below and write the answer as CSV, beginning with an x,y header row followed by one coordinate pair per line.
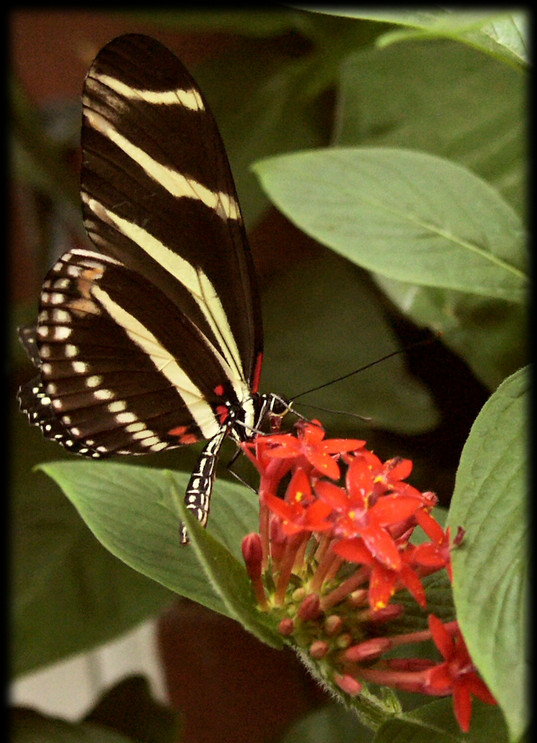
x,y
310,450
457,675
300,511
333,555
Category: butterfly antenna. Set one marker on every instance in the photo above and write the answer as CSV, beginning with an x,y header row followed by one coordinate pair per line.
x,y
423,342
365,418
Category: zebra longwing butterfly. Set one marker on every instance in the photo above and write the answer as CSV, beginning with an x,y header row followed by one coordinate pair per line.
x,y
153,338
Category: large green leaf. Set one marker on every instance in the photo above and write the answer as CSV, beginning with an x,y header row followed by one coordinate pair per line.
x,y
503,35
229,579
132,511
491,565
407,215
470,109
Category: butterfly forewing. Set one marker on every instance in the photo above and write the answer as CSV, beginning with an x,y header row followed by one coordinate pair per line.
x,y
158,194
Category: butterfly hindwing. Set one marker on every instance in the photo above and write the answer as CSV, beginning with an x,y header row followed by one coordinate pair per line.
x,y
112,381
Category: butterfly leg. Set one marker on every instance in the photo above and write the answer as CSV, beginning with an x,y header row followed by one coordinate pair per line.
x,y
200,485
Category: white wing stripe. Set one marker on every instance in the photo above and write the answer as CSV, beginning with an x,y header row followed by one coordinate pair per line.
x,y
194,280
200,410
170,179
190,99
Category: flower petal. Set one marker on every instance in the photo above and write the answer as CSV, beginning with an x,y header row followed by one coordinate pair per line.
x,y
353,550
316,516
414,584
323,463
442,639
479,689
299,488
381,545
462,706
430,526
279,507
333,495
381,587
391,509
339,446
400,470
312,434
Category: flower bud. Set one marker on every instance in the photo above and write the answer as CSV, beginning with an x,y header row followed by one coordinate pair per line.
x,y
318,649
348,684
367,649
252,553
286,627
333,625
310,608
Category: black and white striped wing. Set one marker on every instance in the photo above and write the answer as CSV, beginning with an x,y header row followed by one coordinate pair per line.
x,y
144,341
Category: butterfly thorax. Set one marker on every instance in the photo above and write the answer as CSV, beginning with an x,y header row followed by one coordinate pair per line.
x,y
258,413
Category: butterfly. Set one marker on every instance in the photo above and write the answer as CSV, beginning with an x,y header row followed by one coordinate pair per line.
x,y
152,338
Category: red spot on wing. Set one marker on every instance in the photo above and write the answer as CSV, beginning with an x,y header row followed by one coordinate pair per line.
x,y
188,438
219,390
184,434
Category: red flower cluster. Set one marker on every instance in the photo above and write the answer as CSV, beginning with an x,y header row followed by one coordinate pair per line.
x,y
332,551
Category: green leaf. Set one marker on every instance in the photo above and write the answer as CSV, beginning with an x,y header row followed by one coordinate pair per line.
x,y
491,565
228,577
322,320
406,215
471,109
503,35
131,511
436,722
465,107
29,726
69,594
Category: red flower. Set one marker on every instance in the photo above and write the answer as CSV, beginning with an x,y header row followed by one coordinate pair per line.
x,y
390,474
383,580
300,511
457,675
311,448
299,564
433,556
258,452
361,512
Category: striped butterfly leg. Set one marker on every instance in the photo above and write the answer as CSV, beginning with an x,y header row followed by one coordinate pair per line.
x,y
200,486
